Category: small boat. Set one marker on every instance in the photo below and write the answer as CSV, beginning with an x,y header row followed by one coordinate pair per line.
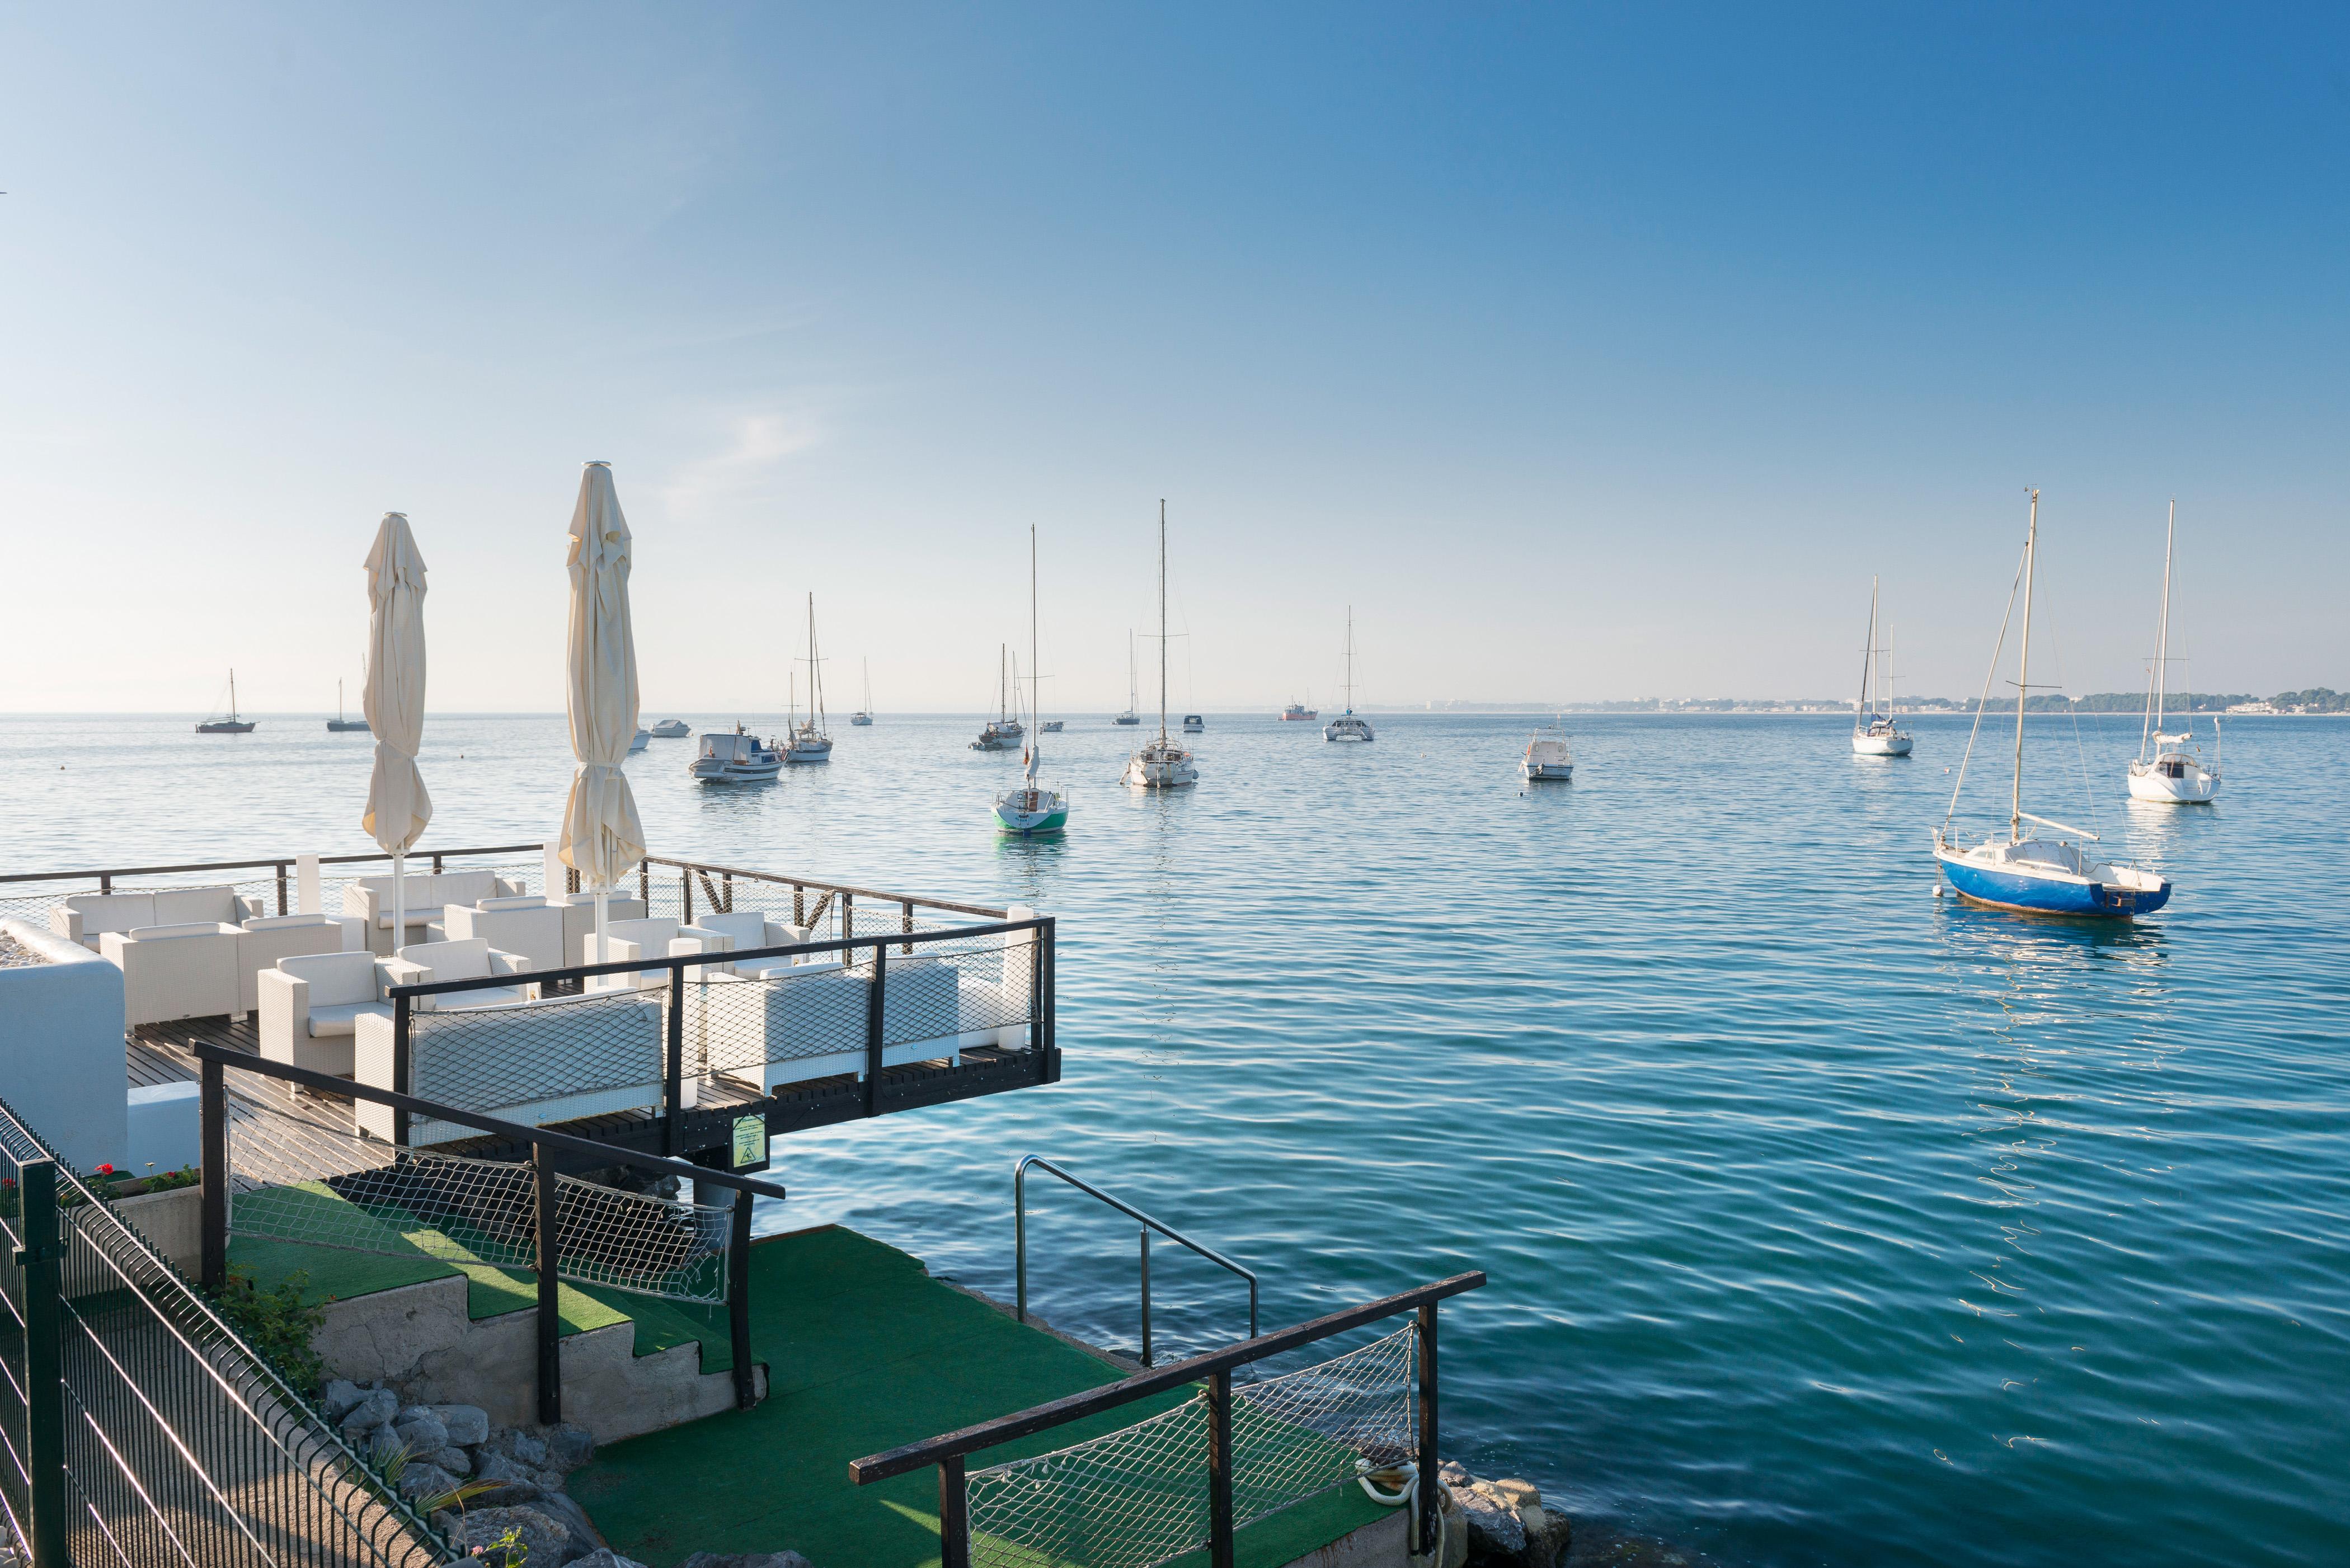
x,y
640,741
2173,775
737,758
1346,726
864,716
340,725
1547,758
2036,874
1030,808
1874,731
805,742
1194,724
1299,712
1002,732
231,725
1161,763
1049,727
1128,717
671,730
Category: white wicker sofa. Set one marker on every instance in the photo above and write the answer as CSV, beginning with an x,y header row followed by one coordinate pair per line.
x,y
84,917
369,898
531,1062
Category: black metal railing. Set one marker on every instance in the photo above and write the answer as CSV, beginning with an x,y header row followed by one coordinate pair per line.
x,y
549,1149
138,1429
950,1450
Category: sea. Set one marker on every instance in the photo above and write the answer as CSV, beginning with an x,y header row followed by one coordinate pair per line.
x,y
1827,1220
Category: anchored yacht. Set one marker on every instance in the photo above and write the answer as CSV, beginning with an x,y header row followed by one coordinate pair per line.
x,y
2168,770
1161,763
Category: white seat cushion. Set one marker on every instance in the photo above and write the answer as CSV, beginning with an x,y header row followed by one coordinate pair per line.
x,y
475,1001
343,1018
335,979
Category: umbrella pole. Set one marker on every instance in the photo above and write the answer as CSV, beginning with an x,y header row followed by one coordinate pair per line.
x,y
603,923
398,901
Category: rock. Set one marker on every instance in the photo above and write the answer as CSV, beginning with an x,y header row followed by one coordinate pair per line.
x,y
456,1461
522,1445
421,1430
372,1411
605,1557
425,1481
544,1540
1496,1534
340,1398
1453,1472
568,1447
559,1507
515,1483
1549,1536
1520,1495
383,1447
467,1424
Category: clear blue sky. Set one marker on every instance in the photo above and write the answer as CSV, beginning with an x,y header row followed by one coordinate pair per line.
x,y
1588,353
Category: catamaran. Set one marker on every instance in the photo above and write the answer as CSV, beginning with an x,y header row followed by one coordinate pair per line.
x,y
806,740
338,724
2027,872
1346,726
1130,716
1003,732
864,715
1161,763
232,725
1874,731
2172,775
1030,808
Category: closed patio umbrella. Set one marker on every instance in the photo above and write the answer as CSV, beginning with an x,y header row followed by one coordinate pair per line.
x,y
602,838
397,807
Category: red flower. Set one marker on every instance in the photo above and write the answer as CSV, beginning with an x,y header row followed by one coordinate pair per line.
x,y
106,1170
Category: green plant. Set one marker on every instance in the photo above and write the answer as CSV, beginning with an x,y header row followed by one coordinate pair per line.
x,y
165,1180
509,1550
456,1497
278,1322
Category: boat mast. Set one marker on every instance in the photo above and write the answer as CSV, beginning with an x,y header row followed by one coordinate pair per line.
x,y
1867,658
1035,691
2162,637
1350,658
1162,620
2023,674
816,683
231,695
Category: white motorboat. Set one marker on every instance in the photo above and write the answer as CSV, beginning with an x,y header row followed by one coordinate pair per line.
x,y
671,730
739,758
1130,716
338,724
1002,732
864,716
805,741
1348,725
640,741
1875,732
1161,763
1548,758
2168,770
1030,808
1194,724
2024,870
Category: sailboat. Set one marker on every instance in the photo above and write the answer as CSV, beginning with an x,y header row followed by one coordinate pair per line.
x,y
1002,733
864,715
338,724
2027,872
1030,808
806,740
2172,775
1161,763
1346,726
1874,732
1130,716
232,725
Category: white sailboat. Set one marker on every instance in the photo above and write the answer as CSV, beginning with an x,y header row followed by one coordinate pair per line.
x,y
1161,763
1002,733
1030,808
1346,726
806,740
864,715
340,725
1874,731
2167,771
1130,716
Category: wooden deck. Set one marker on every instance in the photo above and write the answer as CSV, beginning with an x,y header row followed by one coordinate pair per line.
x,y
279,1135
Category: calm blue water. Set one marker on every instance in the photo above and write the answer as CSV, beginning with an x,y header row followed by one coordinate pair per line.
x,y
1828,1221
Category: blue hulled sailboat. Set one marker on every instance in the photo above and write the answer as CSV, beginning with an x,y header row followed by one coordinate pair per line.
x,y
2031,872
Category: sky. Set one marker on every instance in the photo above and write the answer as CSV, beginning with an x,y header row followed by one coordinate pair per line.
x,y
1587,353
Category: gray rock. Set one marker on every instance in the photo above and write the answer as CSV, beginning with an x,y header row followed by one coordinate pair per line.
x,y
1549,1536
1453,1472
568,1447
383,1447
456,1461
340,1397
421,1430
370,1412
1495,1530
425,1481
490,1465
559,1507
467,1424
522,1445
545,1541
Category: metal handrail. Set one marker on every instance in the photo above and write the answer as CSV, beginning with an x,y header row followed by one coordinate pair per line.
x,y
1150,1222
284,860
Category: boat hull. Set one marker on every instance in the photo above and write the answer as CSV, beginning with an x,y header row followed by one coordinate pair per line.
x,y
799,755
1126,719
1347,729
1012,816
2194,786
2032,893
862,721
225,728
347,726
1548,772
1867,745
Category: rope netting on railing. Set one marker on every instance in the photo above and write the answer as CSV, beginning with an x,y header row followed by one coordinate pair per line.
x,y
1140,1496
411,1202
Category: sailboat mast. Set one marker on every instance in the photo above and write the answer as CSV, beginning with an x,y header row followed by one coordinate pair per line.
x,y
232,696
1035,691
1162,617
2162,637
1867,655
2023,674
1350,658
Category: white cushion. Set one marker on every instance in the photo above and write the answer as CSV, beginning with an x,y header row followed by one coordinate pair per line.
x,y
465,959
519,901
743,928
342,1018
177,905
337,978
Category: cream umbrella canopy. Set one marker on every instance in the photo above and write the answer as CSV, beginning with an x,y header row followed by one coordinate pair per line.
x,y
396,806
601,836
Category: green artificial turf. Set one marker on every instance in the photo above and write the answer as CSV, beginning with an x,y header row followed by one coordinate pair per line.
x,y
866,1352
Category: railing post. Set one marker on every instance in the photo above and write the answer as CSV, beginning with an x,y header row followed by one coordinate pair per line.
x,y
673,1094
550,1322
954,1515
906,926
436,868
1428,1459
799,905
645,885
402,1056
1047,1004
726,888
1020,1240
738,1301
848,921
1146,1295
45,1396
685,895
281,886
212,1173
106,881
1220,1469
873,1016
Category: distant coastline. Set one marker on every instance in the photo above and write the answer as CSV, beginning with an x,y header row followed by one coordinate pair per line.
x,y
2317,699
